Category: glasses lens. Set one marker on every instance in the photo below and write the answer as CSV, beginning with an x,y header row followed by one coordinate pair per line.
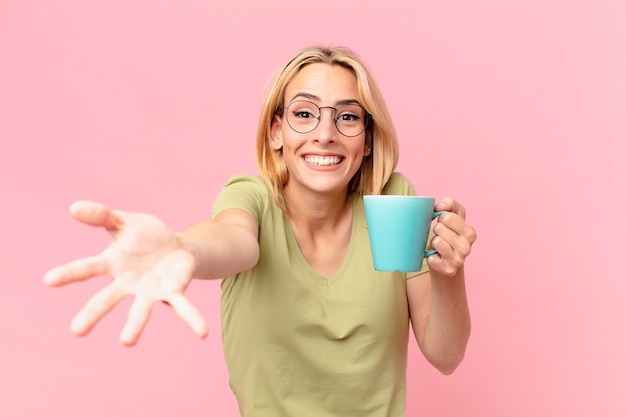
x,y
303,116
351,119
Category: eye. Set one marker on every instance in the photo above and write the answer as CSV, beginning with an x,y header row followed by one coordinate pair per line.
x,y
303,114
349,114
348,117
303,111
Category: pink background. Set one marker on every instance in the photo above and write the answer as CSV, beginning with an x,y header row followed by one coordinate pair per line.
x,y
517,109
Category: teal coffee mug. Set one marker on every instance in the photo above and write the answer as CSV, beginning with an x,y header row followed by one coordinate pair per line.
x,y
398,228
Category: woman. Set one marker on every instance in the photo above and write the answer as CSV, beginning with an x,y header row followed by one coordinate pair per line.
x,y
309,327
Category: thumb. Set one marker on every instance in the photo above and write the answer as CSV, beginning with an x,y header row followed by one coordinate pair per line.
x,y
96,214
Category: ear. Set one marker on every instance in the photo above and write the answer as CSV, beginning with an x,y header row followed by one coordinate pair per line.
x,y
367,151
276,132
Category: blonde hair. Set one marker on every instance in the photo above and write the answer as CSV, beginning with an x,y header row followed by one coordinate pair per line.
x,y
381,135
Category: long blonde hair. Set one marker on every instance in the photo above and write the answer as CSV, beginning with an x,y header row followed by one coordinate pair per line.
x,y
380,134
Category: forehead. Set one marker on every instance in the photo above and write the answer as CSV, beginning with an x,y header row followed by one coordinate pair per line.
x,y
323,82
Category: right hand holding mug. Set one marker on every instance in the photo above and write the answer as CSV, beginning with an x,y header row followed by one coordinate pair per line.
x,y
145,259
453,239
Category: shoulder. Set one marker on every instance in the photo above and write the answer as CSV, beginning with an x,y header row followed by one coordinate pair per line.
x,y
245,181
245,184
245,192
398,184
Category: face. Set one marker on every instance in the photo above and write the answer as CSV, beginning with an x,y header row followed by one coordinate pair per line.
x,y
322,160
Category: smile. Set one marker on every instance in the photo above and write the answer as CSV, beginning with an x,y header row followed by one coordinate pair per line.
x,y
323,161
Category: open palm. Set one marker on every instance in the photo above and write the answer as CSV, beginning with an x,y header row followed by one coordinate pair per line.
x,y
145,259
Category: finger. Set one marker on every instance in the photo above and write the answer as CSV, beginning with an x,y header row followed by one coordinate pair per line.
x,y
456,236
138,316
78,270
96,214
189,314
444,250
456,224
445,204
439,265
444,261
449,204
96,308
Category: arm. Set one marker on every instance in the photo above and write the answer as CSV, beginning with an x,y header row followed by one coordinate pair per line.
x,y
437,299
225,246
440,319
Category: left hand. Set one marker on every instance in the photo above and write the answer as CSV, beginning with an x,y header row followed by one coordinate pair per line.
x,y
453,239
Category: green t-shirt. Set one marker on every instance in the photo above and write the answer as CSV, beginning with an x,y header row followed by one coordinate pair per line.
x,y
298,344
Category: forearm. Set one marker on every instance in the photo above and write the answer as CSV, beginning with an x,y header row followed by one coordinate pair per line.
x,y
447,331
220,249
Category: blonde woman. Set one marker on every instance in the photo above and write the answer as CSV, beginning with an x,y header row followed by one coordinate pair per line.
x,y
309,327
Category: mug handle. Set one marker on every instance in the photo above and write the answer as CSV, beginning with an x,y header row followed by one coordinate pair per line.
x,y
433,251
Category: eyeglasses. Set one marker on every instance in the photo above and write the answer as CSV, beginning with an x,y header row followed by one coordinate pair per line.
x,y
304,116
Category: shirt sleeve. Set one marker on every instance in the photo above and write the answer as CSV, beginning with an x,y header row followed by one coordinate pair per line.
x,y
242,192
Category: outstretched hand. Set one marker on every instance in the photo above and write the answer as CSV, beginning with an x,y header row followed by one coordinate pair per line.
x,y
453,239
145,259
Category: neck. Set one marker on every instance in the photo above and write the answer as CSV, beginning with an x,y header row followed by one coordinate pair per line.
x,y
318,212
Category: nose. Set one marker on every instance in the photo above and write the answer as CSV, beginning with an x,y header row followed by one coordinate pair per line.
x,y
326,130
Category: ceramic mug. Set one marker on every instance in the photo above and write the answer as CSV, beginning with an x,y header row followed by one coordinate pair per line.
x,y
398,228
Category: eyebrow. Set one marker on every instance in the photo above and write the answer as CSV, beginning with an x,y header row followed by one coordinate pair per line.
x,y
315,98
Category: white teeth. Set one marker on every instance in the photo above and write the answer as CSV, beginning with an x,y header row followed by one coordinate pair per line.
x,y
322,160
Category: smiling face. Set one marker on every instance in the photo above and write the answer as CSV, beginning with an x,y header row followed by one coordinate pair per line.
x,y
322,160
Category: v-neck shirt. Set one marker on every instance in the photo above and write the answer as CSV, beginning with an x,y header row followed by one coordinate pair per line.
x,y
300,344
